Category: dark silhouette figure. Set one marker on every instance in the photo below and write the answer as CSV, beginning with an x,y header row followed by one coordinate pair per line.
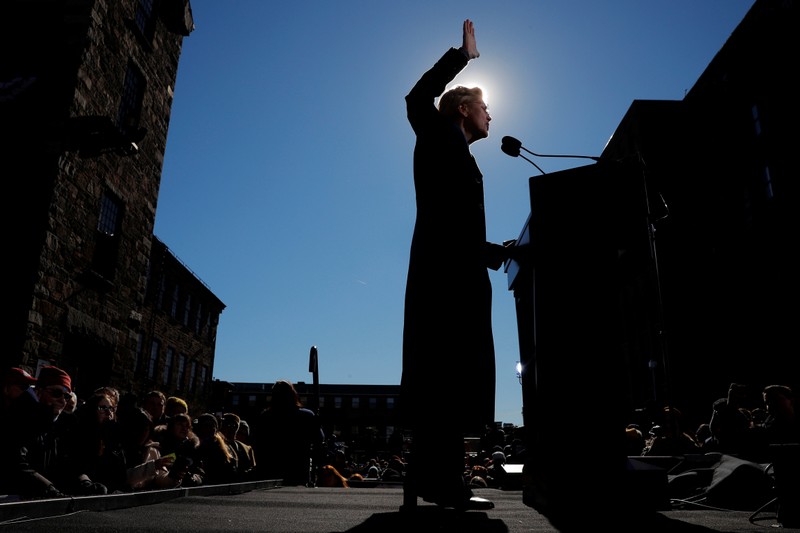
x,y
447,335
288,438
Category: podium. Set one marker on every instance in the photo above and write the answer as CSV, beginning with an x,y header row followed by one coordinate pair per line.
x,y
587,230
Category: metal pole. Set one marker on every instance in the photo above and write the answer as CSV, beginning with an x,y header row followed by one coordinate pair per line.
x,y
313,367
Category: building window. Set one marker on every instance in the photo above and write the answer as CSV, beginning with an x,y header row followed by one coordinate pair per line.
x,y
355,402
373,403
337,402
160,289
166,375
137,358
151,366
203,378
213,320
176,296
234,400
192,376
198,318
251,400
187,308
181,371
145,18
130,107
390,403
106,250
322,401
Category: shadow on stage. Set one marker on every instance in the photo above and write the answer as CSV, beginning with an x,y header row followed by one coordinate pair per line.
x,y
431,519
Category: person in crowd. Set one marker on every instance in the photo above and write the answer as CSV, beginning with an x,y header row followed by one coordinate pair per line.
x,y
328,476
146,469
730,424
244,432
244,453
16,382
215,456
154,403
447,319
668,437
111,392
30,451
340,463
93,451
176,437
175,405
782,424
72,403
373,470
634,440
288,438
395,469
495,469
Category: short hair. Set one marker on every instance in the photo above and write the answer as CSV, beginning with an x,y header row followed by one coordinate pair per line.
x,y
450,100
155,394
772,392
173,402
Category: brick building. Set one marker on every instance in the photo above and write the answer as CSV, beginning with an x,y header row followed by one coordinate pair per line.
x,y
86,88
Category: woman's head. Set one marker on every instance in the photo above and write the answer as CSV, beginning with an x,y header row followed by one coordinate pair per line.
x,y
98,408
180,425
284,396
452,99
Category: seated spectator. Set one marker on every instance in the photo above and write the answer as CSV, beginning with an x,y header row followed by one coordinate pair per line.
x,y
215,457
145,468
93,451
244,432
29,451
175,405
782,424
176,437
16,381
244,454
668,438
154,403
373,471
634,440
328,476
395,470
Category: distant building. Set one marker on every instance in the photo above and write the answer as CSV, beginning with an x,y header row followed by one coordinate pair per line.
x,y
85,101
365,418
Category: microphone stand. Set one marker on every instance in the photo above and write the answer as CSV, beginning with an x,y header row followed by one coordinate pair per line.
x,y
532,163
660,333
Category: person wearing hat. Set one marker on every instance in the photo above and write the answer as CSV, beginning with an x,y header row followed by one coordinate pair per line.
x,y
29,454
16,382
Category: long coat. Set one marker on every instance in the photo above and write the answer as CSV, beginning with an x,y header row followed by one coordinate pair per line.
x,y
448,349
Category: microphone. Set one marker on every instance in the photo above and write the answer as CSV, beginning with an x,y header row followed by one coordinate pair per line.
x,y
512,146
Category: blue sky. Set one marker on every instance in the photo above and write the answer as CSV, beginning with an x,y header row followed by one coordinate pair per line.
x,y
287,183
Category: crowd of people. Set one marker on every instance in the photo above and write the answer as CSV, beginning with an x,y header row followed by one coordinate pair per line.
x,y
58,445
742,423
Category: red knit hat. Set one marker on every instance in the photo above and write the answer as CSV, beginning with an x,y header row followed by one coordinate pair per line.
x,y
17,376
52,375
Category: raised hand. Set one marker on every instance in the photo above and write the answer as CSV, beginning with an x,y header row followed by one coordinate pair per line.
x,y
469,45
